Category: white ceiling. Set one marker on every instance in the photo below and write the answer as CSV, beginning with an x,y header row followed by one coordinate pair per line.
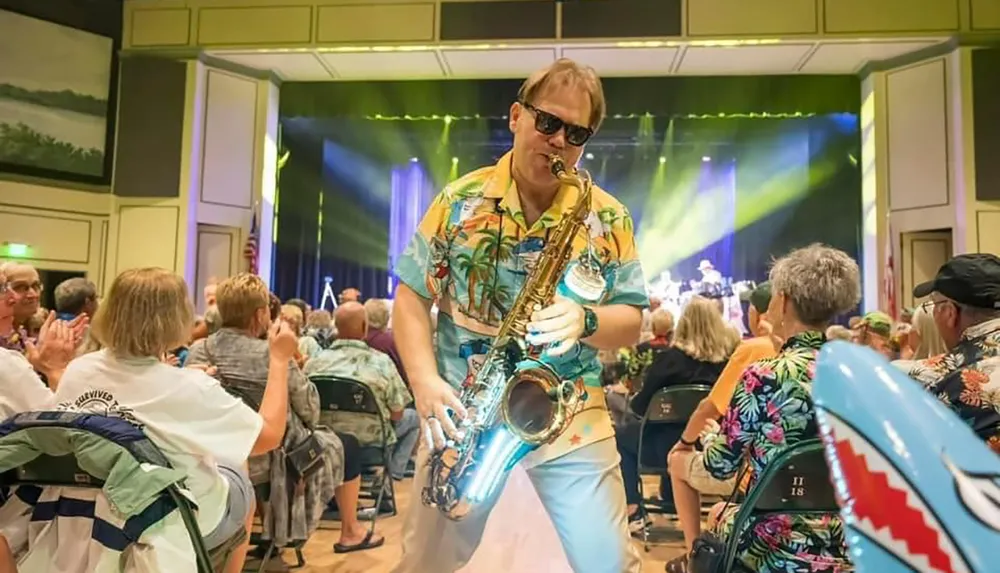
x,y
623,59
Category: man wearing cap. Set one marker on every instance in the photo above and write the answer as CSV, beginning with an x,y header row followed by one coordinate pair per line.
x,y
875,331
965,302
689,478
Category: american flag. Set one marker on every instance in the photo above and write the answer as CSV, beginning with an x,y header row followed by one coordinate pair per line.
x,y
250,252
890,277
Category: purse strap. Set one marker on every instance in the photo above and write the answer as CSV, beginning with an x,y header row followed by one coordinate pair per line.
x,y
745,466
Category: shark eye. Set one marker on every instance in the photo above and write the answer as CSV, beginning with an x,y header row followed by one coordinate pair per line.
x,y
979,493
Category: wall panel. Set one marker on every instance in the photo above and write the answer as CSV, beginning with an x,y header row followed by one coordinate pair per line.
x,y
228,146
159,27
985,14
917,132
375,23
757,18
988,232
147,236
255,26
903,16
50,237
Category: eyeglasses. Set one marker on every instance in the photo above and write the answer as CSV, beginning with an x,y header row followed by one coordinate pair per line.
x,y
21,287
548,124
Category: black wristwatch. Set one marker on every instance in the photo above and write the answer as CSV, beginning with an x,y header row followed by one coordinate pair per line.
x,y
589,322
687,443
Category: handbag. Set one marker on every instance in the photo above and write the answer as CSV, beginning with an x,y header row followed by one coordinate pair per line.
x,y
302,459
305,458
708,552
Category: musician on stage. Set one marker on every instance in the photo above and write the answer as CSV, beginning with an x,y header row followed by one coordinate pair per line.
x,y
487,229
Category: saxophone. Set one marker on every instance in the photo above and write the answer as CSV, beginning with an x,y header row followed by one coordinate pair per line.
x,y
515,403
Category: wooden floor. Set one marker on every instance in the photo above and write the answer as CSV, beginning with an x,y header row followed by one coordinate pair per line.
x,y
504,542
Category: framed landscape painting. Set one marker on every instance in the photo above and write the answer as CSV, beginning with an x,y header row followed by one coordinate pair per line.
x,y
55,83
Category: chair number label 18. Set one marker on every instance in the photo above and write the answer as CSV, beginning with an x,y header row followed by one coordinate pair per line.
x,y
798,483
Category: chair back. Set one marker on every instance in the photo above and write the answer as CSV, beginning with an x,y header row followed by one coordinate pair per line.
x,y
796,481
675,404
799,482
339,394
40,470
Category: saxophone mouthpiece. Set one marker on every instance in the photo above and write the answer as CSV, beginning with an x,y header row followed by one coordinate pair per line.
x,y
557,165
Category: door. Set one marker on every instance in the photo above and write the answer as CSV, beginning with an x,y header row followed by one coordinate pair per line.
x,y
218,258
923,253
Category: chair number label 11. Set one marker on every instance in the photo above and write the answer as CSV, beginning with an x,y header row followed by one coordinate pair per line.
x,y
798,486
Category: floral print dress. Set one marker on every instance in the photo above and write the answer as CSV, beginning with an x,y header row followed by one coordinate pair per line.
x,y
771,410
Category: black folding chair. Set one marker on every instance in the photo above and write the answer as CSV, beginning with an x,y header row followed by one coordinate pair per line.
x,y
251,393
342,395
796,482
63,471
673,405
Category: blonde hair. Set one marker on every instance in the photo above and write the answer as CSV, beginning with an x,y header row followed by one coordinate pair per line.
x,y
839,332
239,298
319,319
566,72
702,334
377,312
662,321
147,312
931,343
293,316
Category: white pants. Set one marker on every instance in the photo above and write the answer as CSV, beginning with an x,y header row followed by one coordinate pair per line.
x,y
581,491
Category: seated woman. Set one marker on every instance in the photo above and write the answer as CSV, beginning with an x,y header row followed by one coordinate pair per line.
x,y
200,428
240,359
702,343
772,409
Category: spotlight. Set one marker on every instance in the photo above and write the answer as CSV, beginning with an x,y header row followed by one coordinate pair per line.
x,y
448,119
706,158
414,160
454,160
662,160
589,156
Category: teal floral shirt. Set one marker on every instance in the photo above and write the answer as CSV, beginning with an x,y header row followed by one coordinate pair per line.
x,y
772,409
355,360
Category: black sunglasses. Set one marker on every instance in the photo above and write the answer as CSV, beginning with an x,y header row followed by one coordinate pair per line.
x,y
548,124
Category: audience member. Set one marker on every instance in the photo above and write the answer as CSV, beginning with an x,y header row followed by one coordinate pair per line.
x,y
698,353
209,292
302,306
319,325
379,336
308,347
875,332
350,357
203,431
349,295
965,305
689,477
78,297
839,332
241,360
925,339
772,409
25,290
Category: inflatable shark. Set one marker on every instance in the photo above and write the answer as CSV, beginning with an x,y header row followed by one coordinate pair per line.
x,y
918,490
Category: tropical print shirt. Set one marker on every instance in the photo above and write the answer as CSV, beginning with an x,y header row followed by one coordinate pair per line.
x,y
772,409
355,360
967,379
472,254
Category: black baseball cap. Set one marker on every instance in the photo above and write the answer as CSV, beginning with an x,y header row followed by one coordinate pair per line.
x,y
972,280
759,297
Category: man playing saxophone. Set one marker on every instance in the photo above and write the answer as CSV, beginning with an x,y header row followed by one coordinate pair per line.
x,y
471,255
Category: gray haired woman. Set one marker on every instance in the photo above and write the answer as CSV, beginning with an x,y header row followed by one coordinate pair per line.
x,y
772,409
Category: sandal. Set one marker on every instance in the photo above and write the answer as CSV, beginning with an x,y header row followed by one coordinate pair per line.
x,y
366,543
678,564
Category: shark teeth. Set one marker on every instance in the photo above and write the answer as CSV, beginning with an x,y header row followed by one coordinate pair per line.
x,y
884,507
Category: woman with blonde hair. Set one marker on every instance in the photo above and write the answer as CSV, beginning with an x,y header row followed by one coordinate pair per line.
x,y
202,430
702,343
924,337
